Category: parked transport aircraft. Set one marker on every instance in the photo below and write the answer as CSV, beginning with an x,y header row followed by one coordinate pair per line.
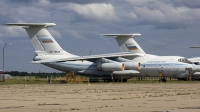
x,y
125,41
132,62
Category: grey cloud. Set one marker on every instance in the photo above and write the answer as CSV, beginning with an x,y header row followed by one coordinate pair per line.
x,y
19,1
7,13
159,14
58,1
185,3
158,22
80,1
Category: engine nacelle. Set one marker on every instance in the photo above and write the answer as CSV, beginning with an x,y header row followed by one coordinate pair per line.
x,y
132,65
111,66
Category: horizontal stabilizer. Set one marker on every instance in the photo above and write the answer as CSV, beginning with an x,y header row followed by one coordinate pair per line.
x,y
31,24
38,62
122,35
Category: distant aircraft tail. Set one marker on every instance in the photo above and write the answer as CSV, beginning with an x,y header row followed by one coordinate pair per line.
x,y
41,39
127,43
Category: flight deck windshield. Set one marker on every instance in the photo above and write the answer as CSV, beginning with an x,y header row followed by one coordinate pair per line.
x,y
184,60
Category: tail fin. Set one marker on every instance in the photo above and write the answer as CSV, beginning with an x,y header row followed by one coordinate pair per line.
x,y
127,43
41,39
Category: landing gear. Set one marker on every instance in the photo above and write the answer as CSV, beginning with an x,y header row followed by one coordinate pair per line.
x,y
163,79
108,80
124,80
93,80
115,80
120,80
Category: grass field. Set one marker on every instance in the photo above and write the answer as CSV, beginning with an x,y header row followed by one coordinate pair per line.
x,y
58,81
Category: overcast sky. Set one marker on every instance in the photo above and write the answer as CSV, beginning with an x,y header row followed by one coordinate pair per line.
x,y
168,27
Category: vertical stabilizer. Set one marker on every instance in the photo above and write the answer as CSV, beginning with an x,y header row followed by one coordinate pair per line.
x,y
127,43
41,39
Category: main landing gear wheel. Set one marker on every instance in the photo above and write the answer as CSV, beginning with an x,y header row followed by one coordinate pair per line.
x,y
124,80
163,79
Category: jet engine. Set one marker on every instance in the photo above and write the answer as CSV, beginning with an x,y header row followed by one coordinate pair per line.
x,y
110,66
132,65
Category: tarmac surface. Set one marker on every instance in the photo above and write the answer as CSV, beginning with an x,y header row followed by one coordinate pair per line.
x,y
101,97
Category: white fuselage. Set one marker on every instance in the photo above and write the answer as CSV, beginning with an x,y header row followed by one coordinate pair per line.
x,y
150,65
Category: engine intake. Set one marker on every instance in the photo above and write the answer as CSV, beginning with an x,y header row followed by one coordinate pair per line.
x,y
111,66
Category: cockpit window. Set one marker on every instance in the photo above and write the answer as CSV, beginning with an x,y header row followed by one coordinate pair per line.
x,y
184,60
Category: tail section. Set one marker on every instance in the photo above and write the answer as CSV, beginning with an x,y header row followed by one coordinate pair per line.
x,y
41,39
127,43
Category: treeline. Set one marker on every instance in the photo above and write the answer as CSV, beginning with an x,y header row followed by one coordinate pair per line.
x,y
39,75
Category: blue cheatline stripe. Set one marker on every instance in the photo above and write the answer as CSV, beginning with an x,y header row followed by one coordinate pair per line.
x,y
167,64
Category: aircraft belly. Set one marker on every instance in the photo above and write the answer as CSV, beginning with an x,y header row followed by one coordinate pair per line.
x,y
148,70
77,66
90,70
153,70
170,71
167,70
94,73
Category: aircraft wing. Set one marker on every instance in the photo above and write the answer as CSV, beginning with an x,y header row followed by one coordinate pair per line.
x,y
195,60
93,57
